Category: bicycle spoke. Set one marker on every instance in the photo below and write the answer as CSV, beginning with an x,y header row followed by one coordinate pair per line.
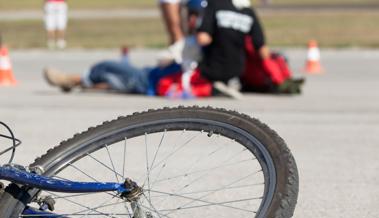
x,y
159,146
73,196
212,190
104,165
157,151
84,173
210,193
124,159
221,204
178,149
202,171
207,203
100,207
84,206
147,165
205,174
97,207
154,209
110,158
194,164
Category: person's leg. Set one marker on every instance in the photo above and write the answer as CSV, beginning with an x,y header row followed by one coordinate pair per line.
x,y
61,25
172,18
61,40
50,24
121,77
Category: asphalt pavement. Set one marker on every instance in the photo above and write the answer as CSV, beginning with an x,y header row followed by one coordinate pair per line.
x,y
332,128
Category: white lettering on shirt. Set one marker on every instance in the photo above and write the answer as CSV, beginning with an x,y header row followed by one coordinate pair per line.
x,y
234,20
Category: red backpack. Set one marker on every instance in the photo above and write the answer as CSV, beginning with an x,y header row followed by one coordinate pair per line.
x,y
263,73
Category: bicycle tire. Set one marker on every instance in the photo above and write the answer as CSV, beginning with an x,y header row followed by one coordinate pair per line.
x,y
278,165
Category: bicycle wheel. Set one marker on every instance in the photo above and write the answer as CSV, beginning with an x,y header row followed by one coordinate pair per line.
x,y
189,162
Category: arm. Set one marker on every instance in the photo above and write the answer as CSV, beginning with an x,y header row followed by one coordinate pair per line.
x,y
258,37
264,52
260,45
207,26
172,20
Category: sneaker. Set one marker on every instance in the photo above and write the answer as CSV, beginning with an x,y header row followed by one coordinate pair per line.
x,y
289,87
223,89
57,78
299,81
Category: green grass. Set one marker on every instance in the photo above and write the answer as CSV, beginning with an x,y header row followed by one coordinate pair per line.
x,y
330,29
78,4
88,4
88,33
282,29
322,2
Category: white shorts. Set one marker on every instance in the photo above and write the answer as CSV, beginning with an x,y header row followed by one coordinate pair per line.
x,y
172,1
55,15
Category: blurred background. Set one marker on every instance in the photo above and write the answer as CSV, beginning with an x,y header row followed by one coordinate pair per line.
x,y
332,128
111,23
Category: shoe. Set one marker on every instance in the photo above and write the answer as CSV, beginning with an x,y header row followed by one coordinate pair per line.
x,y
223,89
299,81
289,87
59,79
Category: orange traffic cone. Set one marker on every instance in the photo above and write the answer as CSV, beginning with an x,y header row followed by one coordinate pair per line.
x,y
313,65
6,72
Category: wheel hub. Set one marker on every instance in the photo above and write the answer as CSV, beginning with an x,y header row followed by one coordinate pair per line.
x,y
134,191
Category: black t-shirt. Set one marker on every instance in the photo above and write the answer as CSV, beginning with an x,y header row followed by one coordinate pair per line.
x,y
224,58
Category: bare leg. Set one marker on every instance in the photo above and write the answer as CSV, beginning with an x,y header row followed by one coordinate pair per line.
x,y
172,19
60,37
67,81
51,39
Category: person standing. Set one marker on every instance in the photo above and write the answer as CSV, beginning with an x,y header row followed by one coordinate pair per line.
x,y
171,12
56,23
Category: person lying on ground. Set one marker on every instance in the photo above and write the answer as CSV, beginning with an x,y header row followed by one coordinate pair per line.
x,y
223,60
122,76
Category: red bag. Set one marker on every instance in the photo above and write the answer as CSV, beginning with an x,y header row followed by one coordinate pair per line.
x,y
263,73
171,85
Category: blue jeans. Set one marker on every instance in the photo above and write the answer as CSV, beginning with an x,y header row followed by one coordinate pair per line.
x,y
120,76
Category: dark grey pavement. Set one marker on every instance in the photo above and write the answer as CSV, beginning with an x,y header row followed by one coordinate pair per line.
x,y
332,129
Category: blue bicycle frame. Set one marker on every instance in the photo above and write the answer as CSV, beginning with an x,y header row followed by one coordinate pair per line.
x,y
15,175
33,180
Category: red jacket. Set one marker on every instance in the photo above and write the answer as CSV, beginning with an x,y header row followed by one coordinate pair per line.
x,y
171,85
